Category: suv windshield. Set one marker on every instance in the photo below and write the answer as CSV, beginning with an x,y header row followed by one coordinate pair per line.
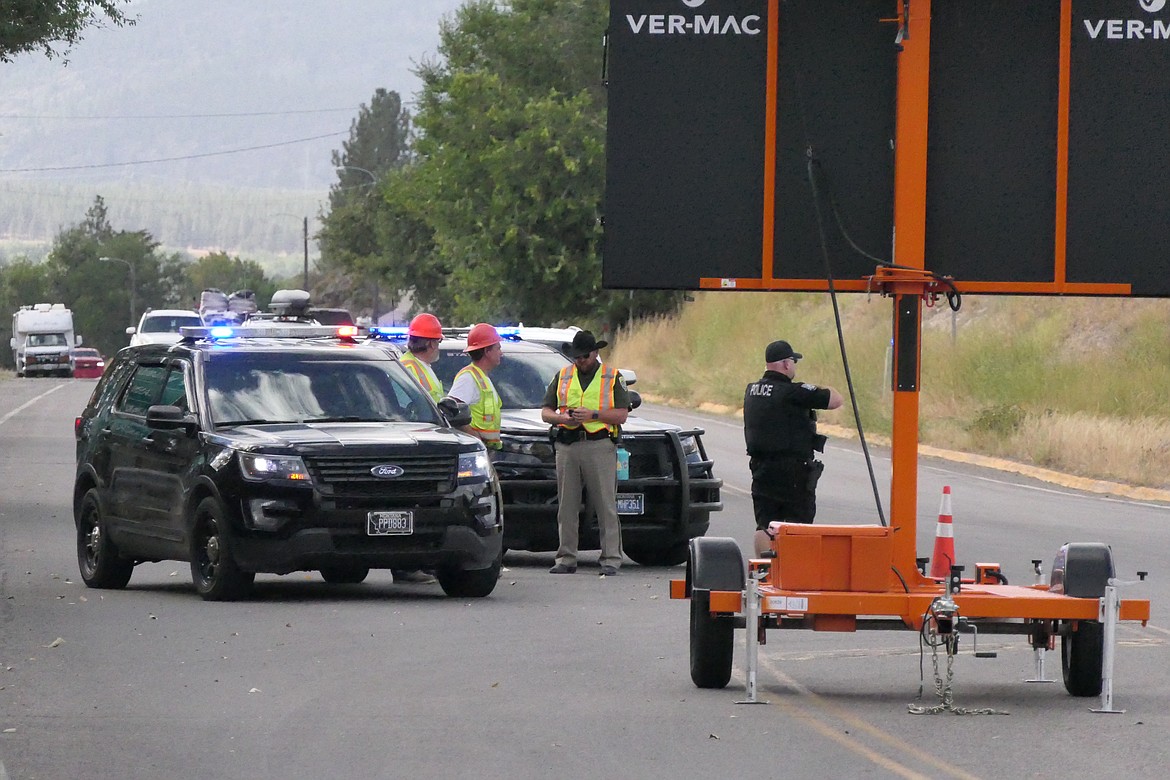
x,y
520,379
169,323
278,388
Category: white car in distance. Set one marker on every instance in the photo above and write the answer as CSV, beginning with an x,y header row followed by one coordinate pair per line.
x,y
161,326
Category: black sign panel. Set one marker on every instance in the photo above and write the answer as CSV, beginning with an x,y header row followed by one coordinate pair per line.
x,y
685,156
1119,144
991,159
1045,158
836,96
686,169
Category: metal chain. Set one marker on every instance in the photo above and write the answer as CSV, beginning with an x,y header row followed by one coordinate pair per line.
x,y
945,691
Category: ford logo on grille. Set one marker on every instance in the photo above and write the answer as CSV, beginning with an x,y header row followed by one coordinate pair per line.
x,y
387,471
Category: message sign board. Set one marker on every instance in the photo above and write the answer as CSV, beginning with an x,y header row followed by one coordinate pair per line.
x,y
755,143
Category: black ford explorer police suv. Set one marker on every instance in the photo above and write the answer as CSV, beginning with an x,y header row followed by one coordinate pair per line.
x,y
279,451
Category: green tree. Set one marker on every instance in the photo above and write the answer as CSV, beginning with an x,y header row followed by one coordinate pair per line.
x,y
52,26
22,282
507,176
221,271
100,292
378,144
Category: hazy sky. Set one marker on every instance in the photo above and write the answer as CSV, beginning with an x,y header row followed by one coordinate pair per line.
x,y
252,93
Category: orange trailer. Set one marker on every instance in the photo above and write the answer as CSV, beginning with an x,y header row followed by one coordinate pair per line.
x,y
1014,207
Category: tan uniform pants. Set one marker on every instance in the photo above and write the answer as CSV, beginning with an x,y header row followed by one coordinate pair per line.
x,y
592,464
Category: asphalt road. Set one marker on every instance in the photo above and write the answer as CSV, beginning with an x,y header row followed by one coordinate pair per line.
x,y
569,676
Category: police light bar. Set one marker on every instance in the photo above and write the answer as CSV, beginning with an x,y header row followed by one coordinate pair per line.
x,y
220,332
392,332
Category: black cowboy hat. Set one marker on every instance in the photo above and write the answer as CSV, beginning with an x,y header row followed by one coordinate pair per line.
x,y
583,344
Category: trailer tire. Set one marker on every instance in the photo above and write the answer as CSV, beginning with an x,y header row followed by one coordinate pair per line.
x,y
712,564
1082,571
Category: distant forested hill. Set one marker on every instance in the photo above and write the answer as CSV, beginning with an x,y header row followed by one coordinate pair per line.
x,y
258,224
182,121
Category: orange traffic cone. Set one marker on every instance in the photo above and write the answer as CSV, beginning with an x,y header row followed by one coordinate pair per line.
x,y
944,539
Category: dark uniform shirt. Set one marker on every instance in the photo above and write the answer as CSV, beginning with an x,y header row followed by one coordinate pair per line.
x,y
780,427
779,418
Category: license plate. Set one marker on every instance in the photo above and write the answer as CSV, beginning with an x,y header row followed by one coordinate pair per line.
x,y
631,503
390,523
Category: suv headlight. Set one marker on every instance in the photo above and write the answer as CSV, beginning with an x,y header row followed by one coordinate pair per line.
x,y
474,467
267,468
690,447
528,452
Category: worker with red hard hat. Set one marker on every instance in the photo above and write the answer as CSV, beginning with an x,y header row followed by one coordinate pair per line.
x,y
473,387
423,336
422,348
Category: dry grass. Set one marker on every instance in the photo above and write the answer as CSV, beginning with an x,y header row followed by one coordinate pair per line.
x,y
1076,385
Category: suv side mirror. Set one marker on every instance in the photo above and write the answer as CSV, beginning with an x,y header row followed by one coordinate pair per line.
x,y
131,330
629,375
635,400
169,418
455,411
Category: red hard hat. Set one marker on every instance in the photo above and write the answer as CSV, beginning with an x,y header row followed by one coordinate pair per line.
x,y
482,335
425,326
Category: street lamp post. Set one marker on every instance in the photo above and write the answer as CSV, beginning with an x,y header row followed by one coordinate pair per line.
x,y
133,284
373,178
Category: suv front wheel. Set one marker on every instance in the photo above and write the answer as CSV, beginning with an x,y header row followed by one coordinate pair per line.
x,y
97,557
461,583
213,570
669,555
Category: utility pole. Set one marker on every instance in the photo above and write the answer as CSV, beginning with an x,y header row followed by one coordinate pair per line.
x,y
133,283
306,234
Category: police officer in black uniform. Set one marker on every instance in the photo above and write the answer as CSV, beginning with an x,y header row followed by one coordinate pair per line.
x,y
780,426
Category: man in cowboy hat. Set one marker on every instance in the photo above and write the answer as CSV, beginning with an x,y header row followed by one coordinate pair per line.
x,y
587,403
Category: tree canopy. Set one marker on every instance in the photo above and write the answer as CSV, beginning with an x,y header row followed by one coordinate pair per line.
x,y
52,26
497,214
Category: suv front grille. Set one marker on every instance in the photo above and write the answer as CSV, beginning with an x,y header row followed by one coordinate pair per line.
x,y
352,476
649,457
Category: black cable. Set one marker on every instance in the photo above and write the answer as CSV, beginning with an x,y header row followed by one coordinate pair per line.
x,y
812,180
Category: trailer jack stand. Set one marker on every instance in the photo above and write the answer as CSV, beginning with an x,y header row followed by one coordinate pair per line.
x,y
1110,609
752,613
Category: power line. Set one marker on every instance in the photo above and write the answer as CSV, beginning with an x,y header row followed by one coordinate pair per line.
x,y
348,109
169,159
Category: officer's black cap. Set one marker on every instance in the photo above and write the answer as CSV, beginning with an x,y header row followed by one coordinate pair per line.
x,y
780,350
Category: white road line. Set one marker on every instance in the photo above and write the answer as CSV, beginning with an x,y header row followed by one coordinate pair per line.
x,y
20,409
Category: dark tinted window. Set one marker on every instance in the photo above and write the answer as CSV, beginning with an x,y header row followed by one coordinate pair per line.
x,y
144,389
169,323
520,379
175,390
47,340
275,387
331,316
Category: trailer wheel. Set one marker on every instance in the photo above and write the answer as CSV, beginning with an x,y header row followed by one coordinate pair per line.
x,y
1082,654
1083,571
712,564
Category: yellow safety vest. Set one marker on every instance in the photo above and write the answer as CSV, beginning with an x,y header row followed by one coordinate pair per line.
x,y
598,396
485,413
424,374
